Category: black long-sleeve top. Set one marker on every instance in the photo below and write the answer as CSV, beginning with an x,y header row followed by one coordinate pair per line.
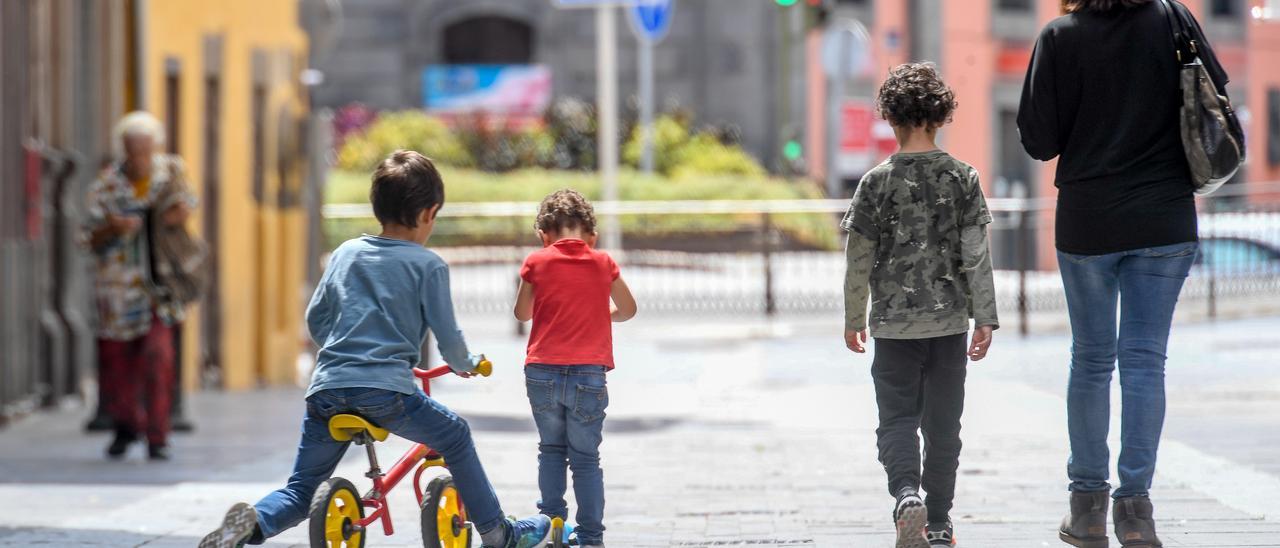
x,y
1102,95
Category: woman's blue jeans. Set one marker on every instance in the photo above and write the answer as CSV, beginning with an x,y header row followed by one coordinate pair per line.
x,y
1146,282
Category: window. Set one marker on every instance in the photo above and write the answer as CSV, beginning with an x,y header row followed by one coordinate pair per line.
x,y
488,40
1015,5
1013,20
1273,127
211,173
172,103
1224,8
258,114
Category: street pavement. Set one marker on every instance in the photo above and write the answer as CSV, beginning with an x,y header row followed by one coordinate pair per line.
x,y
721,433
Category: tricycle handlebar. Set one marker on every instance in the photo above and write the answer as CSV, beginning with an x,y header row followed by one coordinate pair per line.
x,y
484,369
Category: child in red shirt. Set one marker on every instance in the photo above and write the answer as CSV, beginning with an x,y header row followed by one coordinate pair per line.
x,y
572,292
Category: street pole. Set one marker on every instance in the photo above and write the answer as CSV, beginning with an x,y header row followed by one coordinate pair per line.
x,y
607,111
835,99
646,103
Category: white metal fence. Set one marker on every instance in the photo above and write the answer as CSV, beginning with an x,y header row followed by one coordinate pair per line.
x,y
754,270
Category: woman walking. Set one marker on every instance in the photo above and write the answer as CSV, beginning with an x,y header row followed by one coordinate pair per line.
x,y
1102,95
140,193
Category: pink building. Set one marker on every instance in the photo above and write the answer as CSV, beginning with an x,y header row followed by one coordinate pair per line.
x,y
983,47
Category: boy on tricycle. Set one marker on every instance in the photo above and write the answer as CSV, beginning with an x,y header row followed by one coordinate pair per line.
x,y
369,316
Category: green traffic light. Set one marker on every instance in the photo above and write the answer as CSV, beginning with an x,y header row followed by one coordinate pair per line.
x,y
792,150
785,3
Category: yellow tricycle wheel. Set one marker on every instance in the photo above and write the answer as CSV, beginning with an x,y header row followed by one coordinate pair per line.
x,y
444,520
557,533
335,511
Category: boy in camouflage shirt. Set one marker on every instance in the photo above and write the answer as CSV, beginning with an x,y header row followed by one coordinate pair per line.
x,y
918,247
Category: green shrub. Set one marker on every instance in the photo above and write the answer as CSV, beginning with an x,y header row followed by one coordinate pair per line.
x,y
705,155
504,149
670,135
682,155
411,129
531,185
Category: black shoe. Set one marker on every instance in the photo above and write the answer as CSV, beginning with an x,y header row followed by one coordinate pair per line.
x,y
120,445
909,517
1086,525
940,533
158,452
238,527
1135,525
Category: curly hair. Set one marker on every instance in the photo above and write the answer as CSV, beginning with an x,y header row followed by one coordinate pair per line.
x,y
915,96
565,209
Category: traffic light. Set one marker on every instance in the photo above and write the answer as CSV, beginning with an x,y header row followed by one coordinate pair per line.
x,y
786,3
792,150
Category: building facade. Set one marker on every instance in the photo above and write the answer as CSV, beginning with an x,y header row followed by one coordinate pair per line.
x,y
983,48
224,77
725,60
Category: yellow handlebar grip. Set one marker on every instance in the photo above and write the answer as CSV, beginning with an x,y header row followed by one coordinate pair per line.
x,y
485,367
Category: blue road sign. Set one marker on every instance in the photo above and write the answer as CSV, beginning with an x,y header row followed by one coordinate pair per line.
x,y
651,19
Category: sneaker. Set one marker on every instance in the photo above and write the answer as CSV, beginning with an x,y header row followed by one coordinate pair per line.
x,y
237,528
940,533
531,532
909,517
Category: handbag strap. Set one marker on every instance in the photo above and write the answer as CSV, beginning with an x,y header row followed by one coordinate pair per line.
x,y
1178,29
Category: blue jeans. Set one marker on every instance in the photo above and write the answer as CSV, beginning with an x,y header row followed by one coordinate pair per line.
x,y
415,417
1146,282
568,406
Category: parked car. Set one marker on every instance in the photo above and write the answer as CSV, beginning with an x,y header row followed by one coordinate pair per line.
x,y
1230,255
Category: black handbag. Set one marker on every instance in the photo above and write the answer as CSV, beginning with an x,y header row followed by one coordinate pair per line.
x,y
1211,133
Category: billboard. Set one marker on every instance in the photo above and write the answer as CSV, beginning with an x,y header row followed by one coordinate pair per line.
x,y
517,90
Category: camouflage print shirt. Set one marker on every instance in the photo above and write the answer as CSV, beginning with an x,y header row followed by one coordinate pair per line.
x,y
918,248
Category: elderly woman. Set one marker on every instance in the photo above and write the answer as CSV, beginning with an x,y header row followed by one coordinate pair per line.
x,y
1102,96
140,189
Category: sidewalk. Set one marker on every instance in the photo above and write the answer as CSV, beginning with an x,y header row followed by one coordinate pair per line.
x,y
750,442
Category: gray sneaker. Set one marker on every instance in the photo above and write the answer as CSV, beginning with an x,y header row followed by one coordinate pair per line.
x,y
909,517
237,528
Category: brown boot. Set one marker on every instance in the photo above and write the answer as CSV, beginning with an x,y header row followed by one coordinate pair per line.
x,y
1086,525
1135,526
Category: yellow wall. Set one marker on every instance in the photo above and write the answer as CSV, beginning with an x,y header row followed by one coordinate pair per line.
x,y
261,244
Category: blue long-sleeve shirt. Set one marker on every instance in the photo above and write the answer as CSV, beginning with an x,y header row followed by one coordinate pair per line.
x,y
371,311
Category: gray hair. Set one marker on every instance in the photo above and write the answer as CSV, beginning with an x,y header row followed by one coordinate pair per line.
x,y
138,123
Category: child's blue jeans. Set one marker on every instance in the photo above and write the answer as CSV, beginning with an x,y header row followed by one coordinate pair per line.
x,y
415,417
568,404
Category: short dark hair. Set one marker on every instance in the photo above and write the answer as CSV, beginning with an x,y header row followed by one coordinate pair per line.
x,y
914,95
565,209
1073,6
404,184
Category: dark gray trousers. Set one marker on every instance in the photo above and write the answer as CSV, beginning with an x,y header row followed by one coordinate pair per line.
x,y
920,386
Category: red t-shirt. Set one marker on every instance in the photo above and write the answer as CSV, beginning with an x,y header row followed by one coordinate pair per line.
x,y
571,285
